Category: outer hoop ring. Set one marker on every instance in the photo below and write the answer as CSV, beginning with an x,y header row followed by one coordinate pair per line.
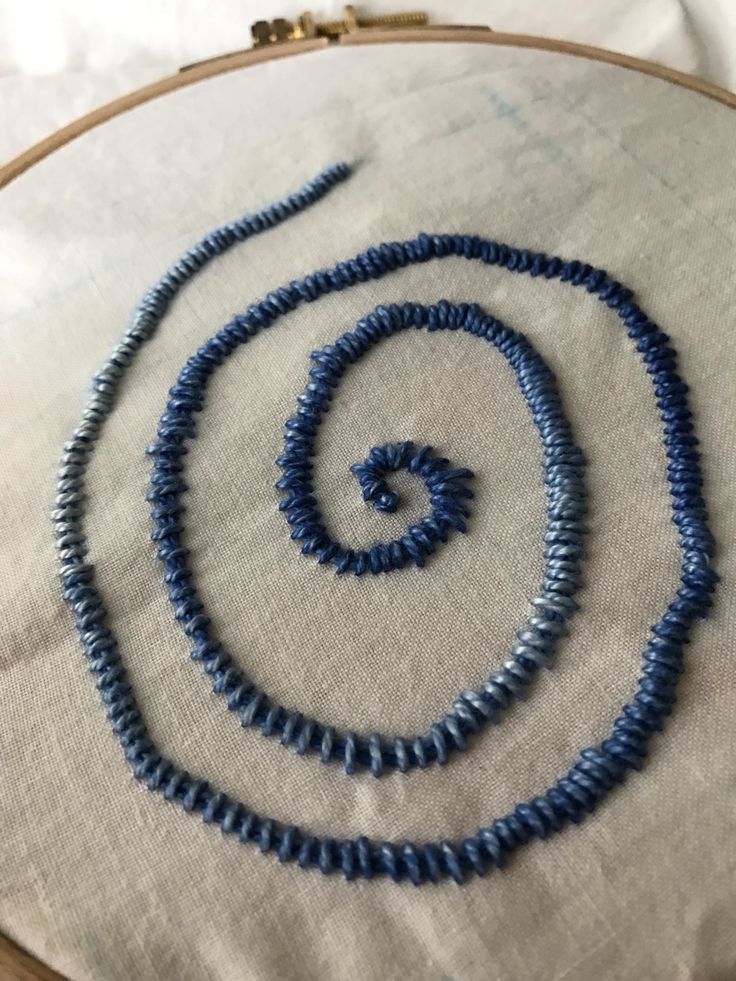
x,y
12,957
256,56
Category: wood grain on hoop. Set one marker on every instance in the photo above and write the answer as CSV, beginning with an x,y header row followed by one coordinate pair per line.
x,y
244,59
15,963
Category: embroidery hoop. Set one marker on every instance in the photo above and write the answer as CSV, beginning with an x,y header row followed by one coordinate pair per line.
x,y
10,954
256,56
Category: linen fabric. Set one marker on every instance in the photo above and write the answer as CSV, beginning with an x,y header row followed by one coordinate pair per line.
x,y
104,880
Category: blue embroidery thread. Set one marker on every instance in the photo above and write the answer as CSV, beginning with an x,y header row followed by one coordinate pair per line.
x,y
598,768
535,643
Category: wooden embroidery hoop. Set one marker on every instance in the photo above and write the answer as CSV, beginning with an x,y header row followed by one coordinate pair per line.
x,y
255,56
14,962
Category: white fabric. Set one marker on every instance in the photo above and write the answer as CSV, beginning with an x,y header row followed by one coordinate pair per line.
x,y
103,879
59,60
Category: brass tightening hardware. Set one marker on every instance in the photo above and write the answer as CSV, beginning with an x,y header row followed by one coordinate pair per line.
x,y
277,31
266,33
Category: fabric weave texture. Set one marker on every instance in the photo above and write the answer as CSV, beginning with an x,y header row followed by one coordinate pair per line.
x,y
569,157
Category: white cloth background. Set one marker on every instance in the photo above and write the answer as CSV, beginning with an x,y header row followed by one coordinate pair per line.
x,y
106,881
59,60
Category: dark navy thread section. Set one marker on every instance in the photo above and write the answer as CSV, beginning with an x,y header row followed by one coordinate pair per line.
x,y
598,768
445,485
562,468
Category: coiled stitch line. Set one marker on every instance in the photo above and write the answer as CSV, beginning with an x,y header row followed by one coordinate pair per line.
x,y
598,768
563,476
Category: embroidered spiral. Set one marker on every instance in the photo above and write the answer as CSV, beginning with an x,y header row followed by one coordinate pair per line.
x,y
534,644
598,768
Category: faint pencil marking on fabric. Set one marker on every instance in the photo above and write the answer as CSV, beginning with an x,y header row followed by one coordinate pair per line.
x,y
550,149
631,153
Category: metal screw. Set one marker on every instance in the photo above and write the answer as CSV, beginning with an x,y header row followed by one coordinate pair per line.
x,y
351,23
411,18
